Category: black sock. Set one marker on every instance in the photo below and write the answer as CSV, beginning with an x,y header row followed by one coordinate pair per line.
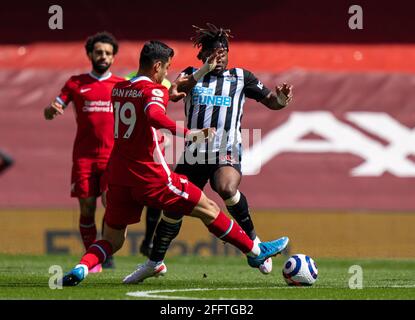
x,y
240,212
165,233
152,218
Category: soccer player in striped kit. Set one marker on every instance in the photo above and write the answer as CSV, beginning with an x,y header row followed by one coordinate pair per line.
x,y
215,98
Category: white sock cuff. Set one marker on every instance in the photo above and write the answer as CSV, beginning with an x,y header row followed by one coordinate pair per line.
x,y
84,266
255,251
233,200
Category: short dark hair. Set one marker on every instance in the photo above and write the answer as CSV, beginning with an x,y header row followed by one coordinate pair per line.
x,y
154,51
104,37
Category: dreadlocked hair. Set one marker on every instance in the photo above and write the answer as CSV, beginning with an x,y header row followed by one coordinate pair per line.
x,y
206,38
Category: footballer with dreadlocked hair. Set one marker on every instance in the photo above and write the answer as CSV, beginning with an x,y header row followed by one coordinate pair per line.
x,y
215,99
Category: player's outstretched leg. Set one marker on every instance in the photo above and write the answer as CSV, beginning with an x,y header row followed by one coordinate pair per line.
x,y
225,229
258,253
97,253
87,227
237,206
268,249
225,181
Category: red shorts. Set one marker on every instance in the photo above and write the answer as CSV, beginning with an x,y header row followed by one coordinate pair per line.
x,y
125,203
89,178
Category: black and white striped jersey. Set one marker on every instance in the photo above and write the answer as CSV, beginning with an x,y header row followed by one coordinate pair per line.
x,y
217,101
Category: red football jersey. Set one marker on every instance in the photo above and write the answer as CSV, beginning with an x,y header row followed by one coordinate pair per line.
x,y
94,114
137,157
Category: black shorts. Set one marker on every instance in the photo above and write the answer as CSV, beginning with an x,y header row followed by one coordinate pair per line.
x,y
202,170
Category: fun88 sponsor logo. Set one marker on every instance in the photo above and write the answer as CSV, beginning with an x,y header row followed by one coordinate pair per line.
x,y
205,96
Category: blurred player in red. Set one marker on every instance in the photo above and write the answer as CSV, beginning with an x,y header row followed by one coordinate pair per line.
x,y
139,175
91,96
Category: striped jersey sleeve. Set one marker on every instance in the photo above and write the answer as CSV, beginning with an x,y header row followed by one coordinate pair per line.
x,y
253,88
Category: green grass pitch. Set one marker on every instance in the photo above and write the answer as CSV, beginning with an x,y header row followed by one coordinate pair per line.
x,y
27,277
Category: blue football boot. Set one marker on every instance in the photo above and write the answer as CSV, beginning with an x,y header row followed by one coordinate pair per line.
x,y
268,249
75,276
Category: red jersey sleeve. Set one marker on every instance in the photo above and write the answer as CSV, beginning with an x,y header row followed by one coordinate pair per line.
x,y
155,105
158,119
155,97
66,94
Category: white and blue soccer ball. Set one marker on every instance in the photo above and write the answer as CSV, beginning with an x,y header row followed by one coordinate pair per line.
x,y
300,270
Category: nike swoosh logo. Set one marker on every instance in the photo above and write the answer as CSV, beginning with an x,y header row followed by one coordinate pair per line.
x,y
85,90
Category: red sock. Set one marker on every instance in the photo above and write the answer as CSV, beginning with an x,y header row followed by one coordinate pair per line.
x,y
229,231
97,253
88,230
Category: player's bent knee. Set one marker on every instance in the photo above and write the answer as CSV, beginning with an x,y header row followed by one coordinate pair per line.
x,y
227,191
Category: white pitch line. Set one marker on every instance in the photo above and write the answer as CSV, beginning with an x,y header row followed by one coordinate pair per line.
x,y
152,293
155,293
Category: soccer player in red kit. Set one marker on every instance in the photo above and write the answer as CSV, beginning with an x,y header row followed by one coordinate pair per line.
x,y
91,96
139,175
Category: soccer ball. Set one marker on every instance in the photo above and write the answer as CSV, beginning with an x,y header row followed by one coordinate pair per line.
x,y
300,270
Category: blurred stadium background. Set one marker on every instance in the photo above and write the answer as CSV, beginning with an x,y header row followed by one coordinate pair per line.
x,y
339,177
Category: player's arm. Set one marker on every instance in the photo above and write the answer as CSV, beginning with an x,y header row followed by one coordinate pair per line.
x,y
255,89
185,82
57,106
157,118
280,98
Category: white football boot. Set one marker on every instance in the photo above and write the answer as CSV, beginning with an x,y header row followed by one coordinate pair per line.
x,y
146,270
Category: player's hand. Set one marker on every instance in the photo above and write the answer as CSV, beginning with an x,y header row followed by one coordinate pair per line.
x,y
210,64
175,93
284,94
53,110
201,135
213,59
